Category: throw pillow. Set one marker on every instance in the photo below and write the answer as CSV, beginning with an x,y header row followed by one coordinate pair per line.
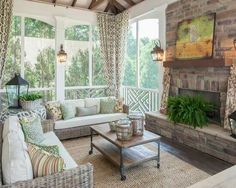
x,y
54,110
107,105
44,163
16,164
89,102
86,111
53,149
119,105
32,129
68,111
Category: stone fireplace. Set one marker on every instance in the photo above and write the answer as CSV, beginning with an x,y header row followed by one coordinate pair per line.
x,y
209,82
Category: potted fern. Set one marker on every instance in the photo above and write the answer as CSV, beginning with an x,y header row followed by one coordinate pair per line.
x,y
189,110
30,101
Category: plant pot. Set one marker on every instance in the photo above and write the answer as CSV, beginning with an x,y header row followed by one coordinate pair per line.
x,y
30,105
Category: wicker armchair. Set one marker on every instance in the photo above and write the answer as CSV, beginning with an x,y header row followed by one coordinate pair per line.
x,y
79,131
80,177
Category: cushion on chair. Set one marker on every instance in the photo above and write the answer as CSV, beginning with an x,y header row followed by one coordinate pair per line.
x,y
16,164
44,163
87,111
68,111
107,106
75,103
32,129
54,110
89,102
89,120
52,139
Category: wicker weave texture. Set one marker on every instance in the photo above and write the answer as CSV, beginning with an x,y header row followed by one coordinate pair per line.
x,y
80,177
76,132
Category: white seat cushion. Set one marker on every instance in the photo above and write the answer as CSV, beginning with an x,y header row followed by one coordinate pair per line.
x,y
51,139
16,163
89,120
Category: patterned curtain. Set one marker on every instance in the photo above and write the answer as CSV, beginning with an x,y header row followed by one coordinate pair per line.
x,y
122,24
165,92
113,36
106,27
5,25
231,96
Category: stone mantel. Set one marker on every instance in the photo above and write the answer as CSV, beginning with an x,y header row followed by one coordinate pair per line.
x,y
212,139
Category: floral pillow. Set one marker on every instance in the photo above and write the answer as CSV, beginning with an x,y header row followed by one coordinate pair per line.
x,y
54,110
52,149
32,129
119,105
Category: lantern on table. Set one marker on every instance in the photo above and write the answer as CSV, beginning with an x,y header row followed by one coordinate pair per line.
x,y
137,122
15,88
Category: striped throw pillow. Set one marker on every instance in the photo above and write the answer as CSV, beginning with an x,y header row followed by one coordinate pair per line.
x,y
44,163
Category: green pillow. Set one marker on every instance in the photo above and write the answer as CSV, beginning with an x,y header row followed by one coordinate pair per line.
x,y
68,111
53,149
32,129
107,106
86,111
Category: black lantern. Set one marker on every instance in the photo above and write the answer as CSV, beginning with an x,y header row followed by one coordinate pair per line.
x,y
15,88
157,52
232,123
62,55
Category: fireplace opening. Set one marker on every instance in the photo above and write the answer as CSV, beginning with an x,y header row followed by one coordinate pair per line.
x,y
212,97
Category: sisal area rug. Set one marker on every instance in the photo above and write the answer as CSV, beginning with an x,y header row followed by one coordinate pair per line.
x,y
173,172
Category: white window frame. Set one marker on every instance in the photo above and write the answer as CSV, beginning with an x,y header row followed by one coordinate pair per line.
x,y
60,24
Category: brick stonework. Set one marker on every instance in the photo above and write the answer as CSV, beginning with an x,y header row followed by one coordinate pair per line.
x,y
205,79
213,139
225,30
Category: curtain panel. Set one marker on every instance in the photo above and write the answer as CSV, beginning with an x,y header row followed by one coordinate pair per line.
x,y
231,96
113,32
5,25
165,92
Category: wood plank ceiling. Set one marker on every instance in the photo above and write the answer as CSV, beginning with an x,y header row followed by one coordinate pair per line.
x,y
111,6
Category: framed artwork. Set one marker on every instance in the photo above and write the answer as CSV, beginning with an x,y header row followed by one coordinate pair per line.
x,y
195,38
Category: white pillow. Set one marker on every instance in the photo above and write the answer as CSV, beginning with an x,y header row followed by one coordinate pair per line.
x,y
76,103
11,125
16,163
89,102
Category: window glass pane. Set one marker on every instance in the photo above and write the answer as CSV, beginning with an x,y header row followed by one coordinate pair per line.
x,y
130,64
13,52
149,71
78,33
98,63
39,54
77,65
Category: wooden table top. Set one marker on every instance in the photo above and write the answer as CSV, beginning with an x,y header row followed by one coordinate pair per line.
x,y
104,131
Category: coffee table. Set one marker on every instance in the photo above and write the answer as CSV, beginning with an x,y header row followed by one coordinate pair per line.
x,y
124,154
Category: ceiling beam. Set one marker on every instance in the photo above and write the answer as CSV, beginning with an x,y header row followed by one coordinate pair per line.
x,y
73,3
96,3
92,2
130,2
119,6
108,7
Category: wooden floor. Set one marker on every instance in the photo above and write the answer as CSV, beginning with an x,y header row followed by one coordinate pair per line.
x,y
203,161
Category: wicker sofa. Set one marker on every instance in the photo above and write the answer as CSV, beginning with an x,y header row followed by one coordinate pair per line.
x,y
80,126
81,176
